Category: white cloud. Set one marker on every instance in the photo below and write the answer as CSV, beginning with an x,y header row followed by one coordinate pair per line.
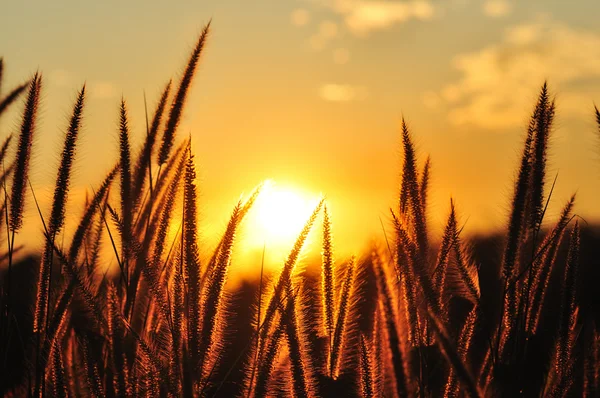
x,y
364,16
499,82
341,56
341,92
497,8
300,17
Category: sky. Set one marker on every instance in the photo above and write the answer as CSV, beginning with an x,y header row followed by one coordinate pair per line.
x,y
311,93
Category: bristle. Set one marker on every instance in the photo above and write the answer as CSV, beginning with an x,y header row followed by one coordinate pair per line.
x,y
514,241
366,369
448,241
544,116
180,97
463,345
7,101
410,193
543,264
298,358
454,359
4,148
567,310
28,125
285,276
86,219
327,282
387,309
266,365
212,306
341,320
125,173
59,379
192,257
424,185
143,163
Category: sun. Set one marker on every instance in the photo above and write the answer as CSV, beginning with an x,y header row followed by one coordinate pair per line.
x,y
278,216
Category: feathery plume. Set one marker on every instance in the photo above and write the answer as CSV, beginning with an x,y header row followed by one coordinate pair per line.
x,y
180,97
340,326
12,97
143,163
17,200
125,172
327,283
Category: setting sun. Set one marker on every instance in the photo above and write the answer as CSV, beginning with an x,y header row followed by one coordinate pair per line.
x,y
278,216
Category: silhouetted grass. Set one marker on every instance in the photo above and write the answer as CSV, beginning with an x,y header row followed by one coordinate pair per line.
x,y
460,319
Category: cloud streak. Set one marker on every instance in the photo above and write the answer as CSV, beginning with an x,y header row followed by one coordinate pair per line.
x,y
362,17
496,84
341,92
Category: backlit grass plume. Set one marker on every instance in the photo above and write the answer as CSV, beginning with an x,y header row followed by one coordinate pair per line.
x,y
180,97
130,302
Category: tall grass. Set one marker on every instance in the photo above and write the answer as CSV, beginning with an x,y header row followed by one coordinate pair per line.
x,y
416,320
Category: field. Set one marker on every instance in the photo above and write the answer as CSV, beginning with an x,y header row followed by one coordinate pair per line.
x,y
504,315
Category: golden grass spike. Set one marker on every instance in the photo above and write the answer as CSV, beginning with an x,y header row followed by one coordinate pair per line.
x,y
86,219
286,274
267,364
4,148
544,117
340,325
191,258
366,369
390,323
591,359
543,265
59,379
453,357
448,241
125,173
299,359
180,98
143,164
408,285
211,297
327,277
424,184
57,214
464,343
517,220
410,194
28,125
12,97
567,311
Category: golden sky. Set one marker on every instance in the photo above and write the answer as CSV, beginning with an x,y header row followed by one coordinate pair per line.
x,y
310,94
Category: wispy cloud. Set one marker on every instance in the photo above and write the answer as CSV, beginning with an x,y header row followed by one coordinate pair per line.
x,y
497,8
341,92
362,16
499,81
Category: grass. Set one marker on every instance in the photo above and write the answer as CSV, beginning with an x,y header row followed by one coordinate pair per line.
x,y
405,319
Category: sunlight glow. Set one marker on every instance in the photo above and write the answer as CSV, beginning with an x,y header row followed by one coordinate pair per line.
x,y
278,216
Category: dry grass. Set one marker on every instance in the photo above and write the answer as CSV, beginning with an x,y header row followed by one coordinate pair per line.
x,y
409,322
